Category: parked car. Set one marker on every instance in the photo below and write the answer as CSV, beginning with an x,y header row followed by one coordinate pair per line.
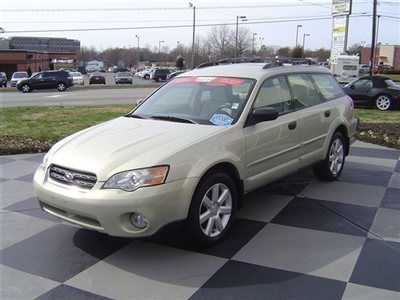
x,y
120,69
364,69
374,91
17,77
124,77
97,78
194,147
147,72
174,74
379,68
159,74
61,80
3,79
77,78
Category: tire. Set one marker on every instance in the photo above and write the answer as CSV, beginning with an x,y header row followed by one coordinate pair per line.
x,y
61,87
26,88
331,168
147,76
383,102
218,216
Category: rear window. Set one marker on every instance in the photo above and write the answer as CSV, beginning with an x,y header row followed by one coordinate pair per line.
x,y
327,86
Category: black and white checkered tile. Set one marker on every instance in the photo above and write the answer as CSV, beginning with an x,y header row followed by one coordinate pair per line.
x,y
298,238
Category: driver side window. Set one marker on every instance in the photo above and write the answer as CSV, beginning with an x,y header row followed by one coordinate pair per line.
x,y
365,83
274,92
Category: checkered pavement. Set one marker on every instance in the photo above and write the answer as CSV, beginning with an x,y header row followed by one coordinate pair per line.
x,y
298,238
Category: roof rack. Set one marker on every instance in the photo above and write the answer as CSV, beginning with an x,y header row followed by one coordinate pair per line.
x,y
227,61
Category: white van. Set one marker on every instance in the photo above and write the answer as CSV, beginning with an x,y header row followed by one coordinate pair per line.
x,y
345,68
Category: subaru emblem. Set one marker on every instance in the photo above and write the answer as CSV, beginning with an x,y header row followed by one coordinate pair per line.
x,y
69,176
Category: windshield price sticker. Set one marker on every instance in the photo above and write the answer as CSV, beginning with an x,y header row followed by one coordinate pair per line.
x,y
221,120
220,80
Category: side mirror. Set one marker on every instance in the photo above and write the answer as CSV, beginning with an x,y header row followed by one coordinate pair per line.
x,y
138,101
263,114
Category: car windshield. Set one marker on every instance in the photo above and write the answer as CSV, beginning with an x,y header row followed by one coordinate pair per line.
x,y
20,75
203,100
124,74
390,82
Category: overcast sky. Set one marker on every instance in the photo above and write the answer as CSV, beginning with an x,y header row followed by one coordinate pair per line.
x,y
17,15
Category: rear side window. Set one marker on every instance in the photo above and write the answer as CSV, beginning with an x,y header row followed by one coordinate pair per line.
x,y
304,92
327,86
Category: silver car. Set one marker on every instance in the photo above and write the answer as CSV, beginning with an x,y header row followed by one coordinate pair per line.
x,y
194,147
17,77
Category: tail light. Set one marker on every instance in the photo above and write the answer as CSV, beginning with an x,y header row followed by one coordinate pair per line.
x,y
69,78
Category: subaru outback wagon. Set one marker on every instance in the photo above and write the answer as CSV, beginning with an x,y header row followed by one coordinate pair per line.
x,y
195,146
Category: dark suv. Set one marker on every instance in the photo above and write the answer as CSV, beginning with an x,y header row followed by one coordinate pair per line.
x,y
60,80
160,74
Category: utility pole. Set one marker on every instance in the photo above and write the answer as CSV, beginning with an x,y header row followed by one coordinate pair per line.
x,y
137,50
297,35
159,46
194,32
254,34
304,42
377,34
373,42
243,18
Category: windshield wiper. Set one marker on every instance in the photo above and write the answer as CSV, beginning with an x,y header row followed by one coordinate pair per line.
x,y
134,116
173,119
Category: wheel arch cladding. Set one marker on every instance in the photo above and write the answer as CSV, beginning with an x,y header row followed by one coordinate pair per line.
x,y
343,130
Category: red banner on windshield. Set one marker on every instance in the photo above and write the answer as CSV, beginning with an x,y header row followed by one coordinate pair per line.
x,y
221,80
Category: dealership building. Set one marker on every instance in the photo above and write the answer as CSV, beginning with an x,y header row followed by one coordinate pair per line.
x,y
37,53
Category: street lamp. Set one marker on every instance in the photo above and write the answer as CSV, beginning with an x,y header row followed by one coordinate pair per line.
x,y
261,41
297,34
254,34
304,41
194,30
243,18
137,51
159,45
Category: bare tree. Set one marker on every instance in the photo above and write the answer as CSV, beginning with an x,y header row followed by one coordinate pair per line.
x,y
244,43
220,41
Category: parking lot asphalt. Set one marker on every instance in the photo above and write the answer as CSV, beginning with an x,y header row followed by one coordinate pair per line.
x,y
74,97
297,238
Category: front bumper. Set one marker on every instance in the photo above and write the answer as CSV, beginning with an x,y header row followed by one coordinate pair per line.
x,y
109,211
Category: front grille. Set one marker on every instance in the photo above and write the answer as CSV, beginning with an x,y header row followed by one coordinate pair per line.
x,y
72,177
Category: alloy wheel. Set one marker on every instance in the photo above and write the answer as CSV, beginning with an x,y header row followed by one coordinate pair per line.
x,y
215,210
336,156
25,88
383,102
61,87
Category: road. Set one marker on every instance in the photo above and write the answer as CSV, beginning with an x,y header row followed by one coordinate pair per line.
x,y
74,97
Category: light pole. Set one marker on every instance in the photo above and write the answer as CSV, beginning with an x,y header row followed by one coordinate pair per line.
x,y
159,46
194,31
297,34
377,33
243,18
254,34
261,41
304,42
137,50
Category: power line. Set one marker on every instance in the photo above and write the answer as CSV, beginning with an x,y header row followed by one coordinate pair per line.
x,y
177,26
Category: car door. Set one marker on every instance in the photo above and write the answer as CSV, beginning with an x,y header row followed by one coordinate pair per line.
x,y
272,146
315,117
360,91
36,81
50,80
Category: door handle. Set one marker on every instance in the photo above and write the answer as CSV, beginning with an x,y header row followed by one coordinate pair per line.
x,y
292,125
327,113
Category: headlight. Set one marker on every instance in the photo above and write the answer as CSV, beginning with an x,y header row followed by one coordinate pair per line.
x,y
45,159
132,180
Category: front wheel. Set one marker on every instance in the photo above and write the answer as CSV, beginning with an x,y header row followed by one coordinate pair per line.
x,y
212,209
26,88
331,168
61,87
383,102
146,76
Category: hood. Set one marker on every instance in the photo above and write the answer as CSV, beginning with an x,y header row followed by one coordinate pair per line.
x,y
126,143
21,80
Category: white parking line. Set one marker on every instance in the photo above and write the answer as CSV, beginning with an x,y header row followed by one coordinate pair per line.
x,y
58,95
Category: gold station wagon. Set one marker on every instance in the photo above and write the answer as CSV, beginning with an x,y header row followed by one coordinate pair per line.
x,y
195,146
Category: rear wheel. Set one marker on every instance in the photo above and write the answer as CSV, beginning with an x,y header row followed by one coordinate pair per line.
x,y
383,102
26,88
147,76
331,168
212,209
61,86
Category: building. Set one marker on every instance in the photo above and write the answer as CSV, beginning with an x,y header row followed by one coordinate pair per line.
x,y
37,53
386,54
44,44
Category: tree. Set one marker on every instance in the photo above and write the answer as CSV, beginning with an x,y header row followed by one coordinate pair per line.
x,y
180,63
283,52
297,52
220,41
244,43
354,49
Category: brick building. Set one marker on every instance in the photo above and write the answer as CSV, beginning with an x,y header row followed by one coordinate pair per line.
x,y
386,54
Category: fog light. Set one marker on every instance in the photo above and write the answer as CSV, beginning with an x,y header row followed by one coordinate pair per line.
x,y
138,220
